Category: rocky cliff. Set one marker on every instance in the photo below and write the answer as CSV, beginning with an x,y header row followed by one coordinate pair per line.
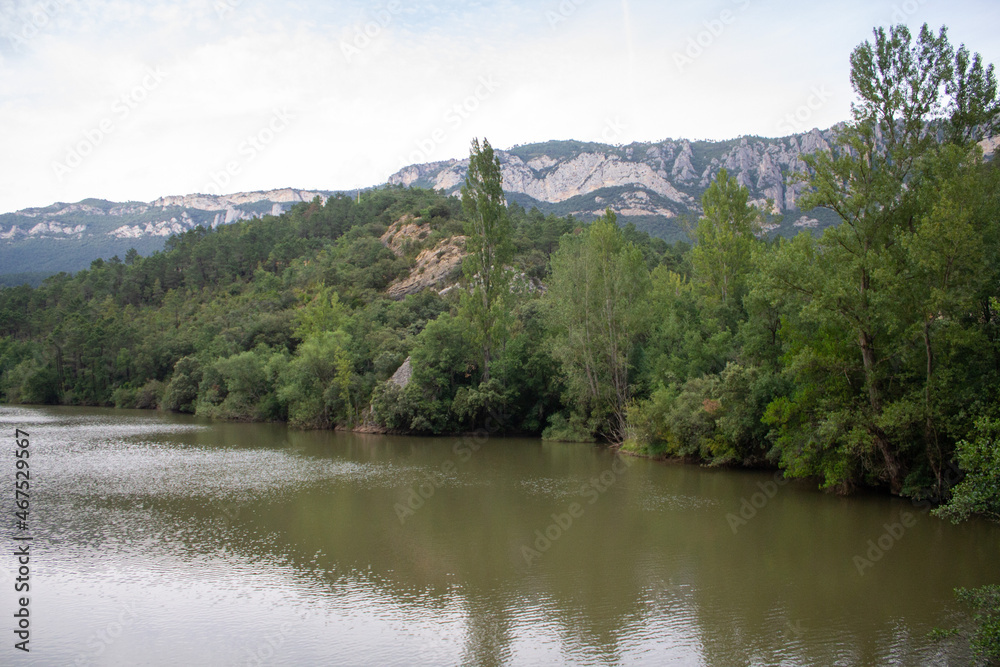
x,y
645,180
433,267
650,184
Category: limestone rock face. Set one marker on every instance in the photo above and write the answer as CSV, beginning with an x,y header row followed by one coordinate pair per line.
x,y
657,179
224,202
403,231
402,376
683,170
130,220
434,266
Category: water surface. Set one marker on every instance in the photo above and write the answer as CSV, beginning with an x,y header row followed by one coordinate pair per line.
x,y
166,540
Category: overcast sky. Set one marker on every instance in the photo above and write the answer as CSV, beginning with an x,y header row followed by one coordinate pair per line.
x,y
129,100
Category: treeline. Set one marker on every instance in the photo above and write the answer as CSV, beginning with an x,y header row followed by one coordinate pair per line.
x,y
251,321
869,356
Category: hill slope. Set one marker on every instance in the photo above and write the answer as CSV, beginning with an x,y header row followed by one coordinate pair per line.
x,y
67,237
649,184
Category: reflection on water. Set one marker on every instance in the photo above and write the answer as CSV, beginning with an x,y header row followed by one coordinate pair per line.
x,y
171,540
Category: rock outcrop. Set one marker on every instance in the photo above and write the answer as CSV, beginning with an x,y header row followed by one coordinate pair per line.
x,y
402,376
662,179
434,267
403,232
223,202
144,220
652,183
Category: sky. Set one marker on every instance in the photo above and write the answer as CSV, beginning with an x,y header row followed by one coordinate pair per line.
x,y
125,100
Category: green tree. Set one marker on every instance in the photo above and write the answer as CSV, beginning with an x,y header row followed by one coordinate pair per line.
x,y
442,361
725,236
489,247
854,326
181,394
979,494
597,309
312,383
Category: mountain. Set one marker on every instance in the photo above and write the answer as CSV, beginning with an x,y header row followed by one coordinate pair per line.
x,y
651,184
35,242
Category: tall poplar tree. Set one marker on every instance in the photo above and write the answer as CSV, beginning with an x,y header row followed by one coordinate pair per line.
x,y
725,236
489,247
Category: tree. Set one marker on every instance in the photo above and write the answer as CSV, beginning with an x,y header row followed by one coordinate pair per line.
x,y
182,392
848,283
596,302
489,247
725,236
979,492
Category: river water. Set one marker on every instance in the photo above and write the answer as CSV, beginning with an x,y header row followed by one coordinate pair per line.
x,y
171,540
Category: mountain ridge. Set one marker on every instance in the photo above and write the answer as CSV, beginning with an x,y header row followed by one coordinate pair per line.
x,y
652,184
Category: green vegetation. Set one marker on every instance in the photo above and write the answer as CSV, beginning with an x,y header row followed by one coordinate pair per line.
x,y
490,249
866,357
597,315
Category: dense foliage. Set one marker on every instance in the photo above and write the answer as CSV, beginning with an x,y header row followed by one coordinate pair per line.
x,y
867,356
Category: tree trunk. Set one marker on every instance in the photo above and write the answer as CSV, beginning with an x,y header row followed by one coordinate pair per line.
x,y
892,466
930,432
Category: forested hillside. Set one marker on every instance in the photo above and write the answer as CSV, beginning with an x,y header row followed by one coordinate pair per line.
x,y
252,320
38,242
869,356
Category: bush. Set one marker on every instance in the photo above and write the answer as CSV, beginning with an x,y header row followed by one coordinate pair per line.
x,y
31,381
182,392
124,396
680,421
242,385
147,397
573,429
150,395
986,637
979,492
442,365
315,384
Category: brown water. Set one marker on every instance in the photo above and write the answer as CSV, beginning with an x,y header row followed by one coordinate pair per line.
x,y
168,540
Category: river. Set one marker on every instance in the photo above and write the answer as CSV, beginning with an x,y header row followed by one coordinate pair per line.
x,y
172,540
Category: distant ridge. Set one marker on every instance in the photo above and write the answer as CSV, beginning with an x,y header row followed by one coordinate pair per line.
x,y
648,184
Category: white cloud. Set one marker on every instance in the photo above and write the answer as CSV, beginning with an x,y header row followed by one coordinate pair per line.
x,y
557,69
